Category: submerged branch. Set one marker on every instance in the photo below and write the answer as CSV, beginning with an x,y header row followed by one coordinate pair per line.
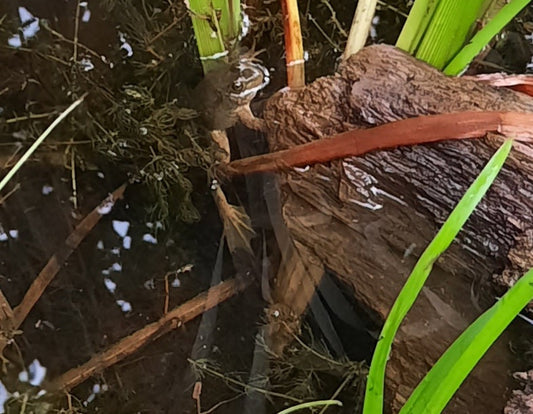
x,y
55,263
171,320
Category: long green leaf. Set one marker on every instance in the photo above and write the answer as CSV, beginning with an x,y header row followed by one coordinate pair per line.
x,y
448,31
483,37
404,301
216,23
439,385
312,404
417,22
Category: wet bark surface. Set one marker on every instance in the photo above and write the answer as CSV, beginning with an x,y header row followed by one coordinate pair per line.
x,y
369,218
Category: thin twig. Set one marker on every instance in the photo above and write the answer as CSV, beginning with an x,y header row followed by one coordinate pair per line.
x,y
221,403
335,46
10,193
246,387
30,117
6,311
334,19
42,55
385,5
76,30
164,31
56,261
167,294
13,156
64,39
313,351
73,177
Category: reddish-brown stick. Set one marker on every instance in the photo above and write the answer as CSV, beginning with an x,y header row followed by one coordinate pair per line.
x,y
294,51
412,131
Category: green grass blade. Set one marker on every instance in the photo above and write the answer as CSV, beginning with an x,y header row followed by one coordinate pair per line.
x,y
39,141
417,22
206,28
376,377
448,31
439,385
216,23
312,404
483,37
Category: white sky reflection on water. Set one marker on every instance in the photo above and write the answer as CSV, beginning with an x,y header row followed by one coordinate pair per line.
x,y
124,305
126,242
121,227
34,375
110,285
47,189
4,396
148,238
29,27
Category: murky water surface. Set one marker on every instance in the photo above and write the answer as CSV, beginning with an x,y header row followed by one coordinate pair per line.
x,y
157,247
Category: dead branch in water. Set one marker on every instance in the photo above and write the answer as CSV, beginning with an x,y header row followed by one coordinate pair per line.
x,y
171,320
412,131
50,270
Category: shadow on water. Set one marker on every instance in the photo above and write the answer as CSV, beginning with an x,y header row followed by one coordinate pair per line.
x,y
160,245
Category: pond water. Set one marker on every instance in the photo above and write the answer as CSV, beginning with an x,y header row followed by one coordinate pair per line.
x,y
160,245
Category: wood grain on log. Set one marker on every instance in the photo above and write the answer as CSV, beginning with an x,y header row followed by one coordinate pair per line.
x,y
368,218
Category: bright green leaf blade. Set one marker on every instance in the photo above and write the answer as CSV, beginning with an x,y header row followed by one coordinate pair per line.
x,y
312,404
483,37
216,23
416,24
376,376
205,24
448,31
439,385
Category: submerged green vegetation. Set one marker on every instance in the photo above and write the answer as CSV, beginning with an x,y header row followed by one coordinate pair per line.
x,y
137,115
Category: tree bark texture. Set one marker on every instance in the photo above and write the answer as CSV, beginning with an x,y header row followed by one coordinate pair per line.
x,y
368,219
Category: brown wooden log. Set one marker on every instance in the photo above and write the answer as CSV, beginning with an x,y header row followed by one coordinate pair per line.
x,y
368,218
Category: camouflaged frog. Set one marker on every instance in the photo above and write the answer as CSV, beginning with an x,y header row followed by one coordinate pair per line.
x,y
224,95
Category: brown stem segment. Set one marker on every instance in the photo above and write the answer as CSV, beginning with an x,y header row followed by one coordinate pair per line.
x,y
412,131
293,44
